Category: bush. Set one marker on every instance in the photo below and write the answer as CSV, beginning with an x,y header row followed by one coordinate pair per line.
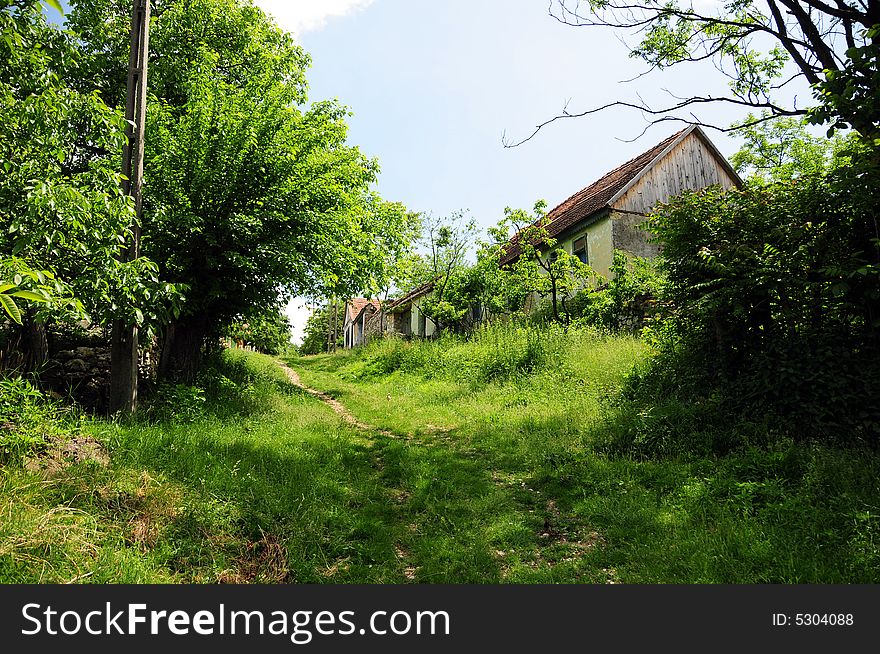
x,y
28,420
176,403
626,302
771,314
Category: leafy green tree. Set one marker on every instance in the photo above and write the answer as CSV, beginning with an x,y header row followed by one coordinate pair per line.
x,y
318,328
783,149
446,243
268,330
248,196
61,208
542,267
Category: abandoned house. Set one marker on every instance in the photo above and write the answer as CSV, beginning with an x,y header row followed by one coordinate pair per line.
x,y
605,216
402,317
358,312
591,224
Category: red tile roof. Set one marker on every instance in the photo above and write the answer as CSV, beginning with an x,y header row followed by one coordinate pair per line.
x,y
356,305
595,197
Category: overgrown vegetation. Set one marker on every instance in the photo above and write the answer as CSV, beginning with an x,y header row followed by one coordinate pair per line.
x,y
29,422
503,465
564,479
251,192
773,310
242,479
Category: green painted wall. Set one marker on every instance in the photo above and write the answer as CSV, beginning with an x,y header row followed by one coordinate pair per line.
x,y
600,244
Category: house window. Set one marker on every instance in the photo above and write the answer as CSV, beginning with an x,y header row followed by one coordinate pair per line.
x,y
579,249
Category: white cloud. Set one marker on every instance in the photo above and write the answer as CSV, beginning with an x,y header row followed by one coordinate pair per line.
x,y
300,16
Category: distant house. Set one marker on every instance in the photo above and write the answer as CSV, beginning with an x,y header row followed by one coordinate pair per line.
x,y
605,216
358,312
403,317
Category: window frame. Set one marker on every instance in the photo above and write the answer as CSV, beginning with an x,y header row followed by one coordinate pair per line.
x,y
586,248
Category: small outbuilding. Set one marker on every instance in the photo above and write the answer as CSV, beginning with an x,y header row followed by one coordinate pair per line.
x,y
358,312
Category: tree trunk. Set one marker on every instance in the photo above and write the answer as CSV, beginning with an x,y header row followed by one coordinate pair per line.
x,y
33,345
182,350
555,300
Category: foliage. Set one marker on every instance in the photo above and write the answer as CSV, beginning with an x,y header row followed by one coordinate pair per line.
x,y
774,293
62,209
782,149
268,330
760,47
175,403
318,328
626,301
248,195
541,267
28,421
24,284
446,242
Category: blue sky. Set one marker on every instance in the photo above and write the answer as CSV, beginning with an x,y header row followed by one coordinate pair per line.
x,y
434,85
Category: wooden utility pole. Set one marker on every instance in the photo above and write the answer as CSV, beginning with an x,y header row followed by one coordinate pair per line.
x,y
124,351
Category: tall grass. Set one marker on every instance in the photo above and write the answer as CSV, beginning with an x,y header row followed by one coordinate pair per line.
x,y
29,421
542,445
493,353
243,479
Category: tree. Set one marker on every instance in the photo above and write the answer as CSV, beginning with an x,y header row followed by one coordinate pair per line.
x,y
318,326
446,241
774,294
60,201
248,196
782,149
267,330
542,267
761,46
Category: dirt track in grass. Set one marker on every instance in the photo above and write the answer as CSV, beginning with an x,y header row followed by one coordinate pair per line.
x,y
334,404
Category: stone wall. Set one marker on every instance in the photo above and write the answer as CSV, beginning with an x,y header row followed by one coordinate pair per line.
x,y
82,373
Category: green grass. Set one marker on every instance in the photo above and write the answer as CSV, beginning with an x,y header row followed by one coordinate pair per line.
x,y
266,485
495,472
519,465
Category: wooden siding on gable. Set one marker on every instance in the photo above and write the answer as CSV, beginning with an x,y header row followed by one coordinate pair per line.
x,y
691,164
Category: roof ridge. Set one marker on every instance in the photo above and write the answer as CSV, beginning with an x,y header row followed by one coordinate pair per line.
x,y
607,184
659,147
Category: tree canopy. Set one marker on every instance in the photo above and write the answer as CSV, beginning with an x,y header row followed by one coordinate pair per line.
x,y
250,193
61,208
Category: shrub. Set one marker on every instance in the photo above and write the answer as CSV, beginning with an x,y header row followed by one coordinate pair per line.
x,y
28,420
176,403
626,301
771,313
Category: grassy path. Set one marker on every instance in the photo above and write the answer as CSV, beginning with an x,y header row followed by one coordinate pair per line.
x,y
464,514
337,406
407,477
503,481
